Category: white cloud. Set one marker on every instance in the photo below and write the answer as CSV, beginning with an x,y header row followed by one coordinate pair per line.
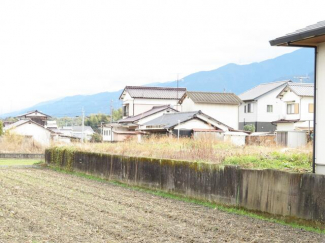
x,y
50,49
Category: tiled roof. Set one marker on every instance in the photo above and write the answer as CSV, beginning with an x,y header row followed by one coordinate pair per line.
x,y
261,89
302,89
79,129
152,111
169,120
153,92
213,98
35,111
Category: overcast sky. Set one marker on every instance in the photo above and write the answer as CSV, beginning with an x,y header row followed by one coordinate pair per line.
x,y
51,49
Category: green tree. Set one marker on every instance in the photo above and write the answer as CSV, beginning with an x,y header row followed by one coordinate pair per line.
x,y
1,128
249,128
117,114
96,138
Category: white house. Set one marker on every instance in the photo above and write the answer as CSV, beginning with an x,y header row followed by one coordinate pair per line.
x,y
261,106
297,107
139,99
222,106
313,36
125,128
32,129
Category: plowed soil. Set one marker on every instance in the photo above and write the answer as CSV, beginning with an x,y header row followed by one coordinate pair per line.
x,y
41,205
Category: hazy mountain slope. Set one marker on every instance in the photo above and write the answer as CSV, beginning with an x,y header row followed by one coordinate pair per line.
x,y
231,77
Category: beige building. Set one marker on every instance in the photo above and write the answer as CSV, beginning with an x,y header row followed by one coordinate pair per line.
x,y
222,106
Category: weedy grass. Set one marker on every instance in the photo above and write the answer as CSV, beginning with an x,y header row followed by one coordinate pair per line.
x,y
292,222
207,151
17,162
13,143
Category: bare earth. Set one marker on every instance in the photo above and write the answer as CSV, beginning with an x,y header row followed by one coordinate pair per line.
x,y
40,205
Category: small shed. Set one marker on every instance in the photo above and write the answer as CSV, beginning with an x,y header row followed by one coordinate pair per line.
x,y
291,139
236,138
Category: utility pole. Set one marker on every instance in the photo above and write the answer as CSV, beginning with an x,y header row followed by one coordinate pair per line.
x,y
111,111
83,124
179,122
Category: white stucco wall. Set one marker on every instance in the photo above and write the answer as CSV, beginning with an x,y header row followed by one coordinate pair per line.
x,y
138,106
320,110
39,134
143,105
194,124
227,114
304,114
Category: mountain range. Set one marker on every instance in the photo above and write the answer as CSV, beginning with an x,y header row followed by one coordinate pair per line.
x,y
229,78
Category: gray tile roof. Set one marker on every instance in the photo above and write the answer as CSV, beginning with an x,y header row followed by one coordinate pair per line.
x,y
171,120
213,98
262,89
153,92
301,89
150,112
310,31
79,129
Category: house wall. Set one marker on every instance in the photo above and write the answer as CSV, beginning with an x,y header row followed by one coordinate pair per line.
x,y
260,116
39,134
138,106
320,110
227,114
194,124
290,97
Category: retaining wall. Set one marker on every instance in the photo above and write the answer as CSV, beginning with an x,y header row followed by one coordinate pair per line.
x,y
270,191
21,156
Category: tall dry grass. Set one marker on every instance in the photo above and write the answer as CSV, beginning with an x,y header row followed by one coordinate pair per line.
x,y
202,150
14,143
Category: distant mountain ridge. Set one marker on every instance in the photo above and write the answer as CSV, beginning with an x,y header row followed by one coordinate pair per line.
x,y
230,78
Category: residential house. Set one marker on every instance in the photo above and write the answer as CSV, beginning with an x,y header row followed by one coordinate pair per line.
x,y
139,99
297,107
313,36
222,106
35,116
31,129
183,123
261,106
125,128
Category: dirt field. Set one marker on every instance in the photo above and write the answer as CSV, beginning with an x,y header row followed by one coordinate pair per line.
x,y
40,205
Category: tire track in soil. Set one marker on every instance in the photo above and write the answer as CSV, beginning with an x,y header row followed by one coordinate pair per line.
x,y
230,227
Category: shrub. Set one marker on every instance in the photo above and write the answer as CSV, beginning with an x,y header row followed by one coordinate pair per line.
x,y
249,128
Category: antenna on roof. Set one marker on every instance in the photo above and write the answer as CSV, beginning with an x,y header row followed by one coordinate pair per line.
x,y
301,78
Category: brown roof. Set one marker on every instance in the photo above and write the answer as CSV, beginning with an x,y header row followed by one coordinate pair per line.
x,y
285,121
212,98
153,92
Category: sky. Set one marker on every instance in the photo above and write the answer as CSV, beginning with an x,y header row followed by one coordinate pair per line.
x,y
53,49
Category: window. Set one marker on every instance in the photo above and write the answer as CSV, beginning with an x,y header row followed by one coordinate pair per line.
x,y
311,108
109,132
269,108
293,108
245,109
250,108
126,110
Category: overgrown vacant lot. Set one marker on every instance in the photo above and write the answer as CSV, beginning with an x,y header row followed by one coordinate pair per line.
x,y
259,157
40,205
